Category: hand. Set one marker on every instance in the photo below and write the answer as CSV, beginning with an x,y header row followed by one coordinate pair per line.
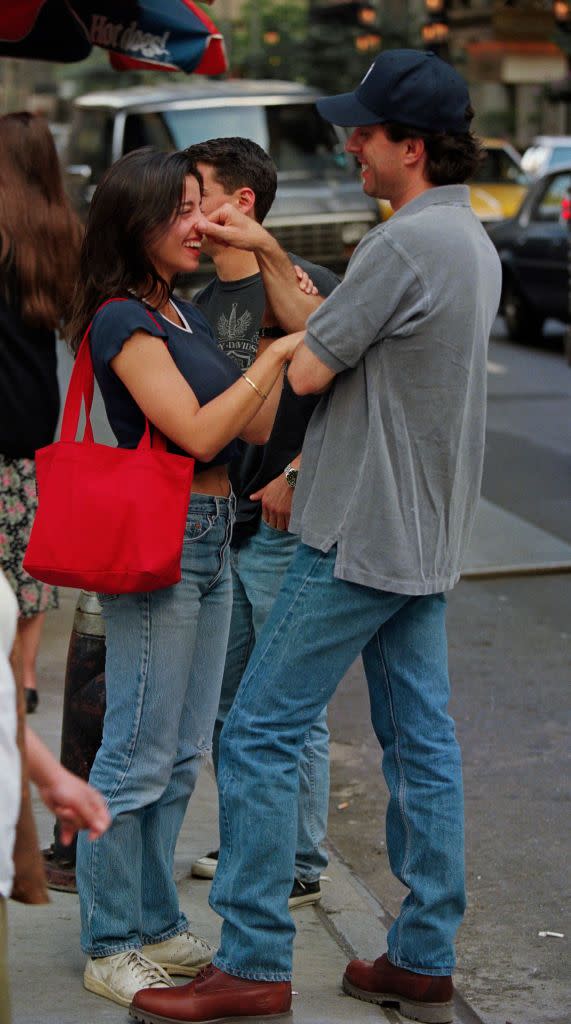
x,y
276,498
229,226
76,804
287,345
305,283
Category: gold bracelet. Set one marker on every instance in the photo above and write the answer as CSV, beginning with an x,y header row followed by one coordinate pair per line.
x,y
254,386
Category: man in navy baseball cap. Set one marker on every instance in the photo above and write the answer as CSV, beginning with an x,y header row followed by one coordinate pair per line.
x,y
412,87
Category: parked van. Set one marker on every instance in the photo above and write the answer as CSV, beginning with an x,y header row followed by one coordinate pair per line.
x,y
320,211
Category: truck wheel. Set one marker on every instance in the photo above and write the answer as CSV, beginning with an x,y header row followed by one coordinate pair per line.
x,y
522,321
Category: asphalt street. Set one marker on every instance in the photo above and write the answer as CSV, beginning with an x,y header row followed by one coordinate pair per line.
x,y
510,665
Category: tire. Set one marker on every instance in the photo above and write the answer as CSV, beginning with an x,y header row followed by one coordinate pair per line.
x,y
522,321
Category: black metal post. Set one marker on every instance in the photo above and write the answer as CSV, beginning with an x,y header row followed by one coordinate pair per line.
x,y
82,723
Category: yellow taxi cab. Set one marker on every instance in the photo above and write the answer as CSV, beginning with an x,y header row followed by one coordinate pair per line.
x,y
497,189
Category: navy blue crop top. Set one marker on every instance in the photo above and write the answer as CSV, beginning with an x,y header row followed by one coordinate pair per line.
x,y
195,351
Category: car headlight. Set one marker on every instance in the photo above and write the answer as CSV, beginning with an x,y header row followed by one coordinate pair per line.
x,y
353,233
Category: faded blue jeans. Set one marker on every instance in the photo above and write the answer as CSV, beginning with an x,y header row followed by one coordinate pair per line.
x,y
165,654
258,567
317,627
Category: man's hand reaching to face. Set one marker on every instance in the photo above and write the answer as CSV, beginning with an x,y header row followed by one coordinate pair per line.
x,y
229,226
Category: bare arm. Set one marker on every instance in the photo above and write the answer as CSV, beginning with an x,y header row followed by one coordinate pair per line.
x,y
307,374
291,305
77,804
161,392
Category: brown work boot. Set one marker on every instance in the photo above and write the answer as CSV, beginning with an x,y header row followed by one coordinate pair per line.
x,y
419,997
214,996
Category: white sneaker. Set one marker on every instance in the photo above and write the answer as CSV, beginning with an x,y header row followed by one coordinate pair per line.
x,y
205,867
118,977
182,954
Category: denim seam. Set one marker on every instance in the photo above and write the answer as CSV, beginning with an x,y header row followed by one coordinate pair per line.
x,y
113,950
251,974
248,648
402,789
310,756
91,911
311,775
436,972
180,928
142,680
225,848
222,551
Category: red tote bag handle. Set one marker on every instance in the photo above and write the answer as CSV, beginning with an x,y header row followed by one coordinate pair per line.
x,y
81,388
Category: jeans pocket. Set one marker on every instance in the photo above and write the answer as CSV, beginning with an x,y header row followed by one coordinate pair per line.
x,y
273,530
198,524
106,598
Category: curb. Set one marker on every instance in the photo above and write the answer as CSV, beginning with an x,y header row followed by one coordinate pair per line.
x,y
359,923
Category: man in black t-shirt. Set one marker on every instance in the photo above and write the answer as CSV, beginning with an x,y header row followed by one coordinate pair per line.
x,y
242,312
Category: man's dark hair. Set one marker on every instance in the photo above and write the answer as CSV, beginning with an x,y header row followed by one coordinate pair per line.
x,y
451,159
240,163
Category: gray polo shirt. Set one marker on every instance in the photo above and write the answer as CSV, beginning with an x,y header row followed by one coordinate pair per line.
x,y
392,458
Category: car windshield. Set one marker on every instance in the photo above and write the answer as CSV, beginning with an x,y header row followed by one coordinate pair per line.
x,y
197,124
298,140
499,168
549,204
560,155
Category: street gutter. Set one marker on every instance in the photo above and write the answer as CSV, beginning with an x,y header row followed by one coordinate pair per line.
x,y
358,922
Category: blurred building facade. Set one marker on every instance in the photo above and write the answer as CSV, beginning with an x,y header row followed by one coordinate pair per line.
x,y
509,53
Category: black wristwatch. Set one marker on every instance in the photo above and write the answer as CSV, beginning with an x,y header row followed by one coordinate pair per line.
x,y
271,332
290,474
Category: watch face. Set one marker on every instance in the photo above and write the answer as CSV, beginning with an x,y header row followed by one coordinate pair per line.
x,y
291,477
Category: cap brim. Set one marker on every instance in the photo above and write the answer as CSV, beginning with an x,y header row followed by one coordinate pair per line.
x,y
345,110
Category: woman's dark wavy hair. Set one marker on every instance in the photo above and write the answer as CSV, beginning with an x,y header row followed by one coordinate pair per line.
x,y
451,159
133,205
40,234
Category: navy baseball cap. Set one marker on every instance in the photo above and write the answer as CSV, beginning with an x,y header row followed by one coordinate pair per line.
x,y
412,87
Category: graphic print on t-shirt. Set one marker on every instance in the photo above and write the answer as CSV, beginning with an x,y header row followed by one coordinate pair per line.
x,y
235,336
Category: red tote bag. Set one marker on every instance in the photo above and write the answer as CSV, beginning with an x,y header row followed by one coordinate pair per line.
x,y
109,519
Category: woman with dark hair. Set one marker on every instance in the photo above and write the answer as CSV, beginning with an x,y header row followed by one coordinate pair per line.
x,y
39,248
155,356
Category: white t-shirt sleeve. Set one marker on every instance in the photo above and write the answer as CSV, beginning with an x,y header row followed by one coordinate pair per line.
x,y
9,757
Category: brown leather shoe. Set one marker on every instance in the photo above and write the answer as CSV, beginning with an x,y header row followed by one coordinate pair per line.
x,y
416,996
214,997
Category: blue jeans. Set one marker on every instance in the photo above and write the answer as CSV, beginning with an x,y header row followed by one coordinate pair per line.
x,y
258,566
165,655
317,627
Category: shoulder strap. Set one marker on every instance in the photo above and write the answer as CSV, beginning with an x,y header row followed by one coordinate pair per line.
x,y
81,387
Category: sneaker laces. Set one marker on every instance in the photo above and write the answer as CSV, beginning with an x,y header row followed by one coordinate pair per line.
x,y
144,970
202,944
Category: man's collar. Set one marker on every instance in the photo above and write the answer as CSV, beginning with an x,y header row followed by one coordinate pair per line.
x,y
449,195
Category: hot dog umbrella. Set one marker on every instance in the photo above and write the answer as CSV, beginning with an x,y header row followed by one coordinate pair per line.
x,y
144,34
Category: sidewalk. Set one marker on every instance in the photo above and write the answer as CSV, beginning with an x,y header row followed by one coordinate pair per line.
x,y
47,963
